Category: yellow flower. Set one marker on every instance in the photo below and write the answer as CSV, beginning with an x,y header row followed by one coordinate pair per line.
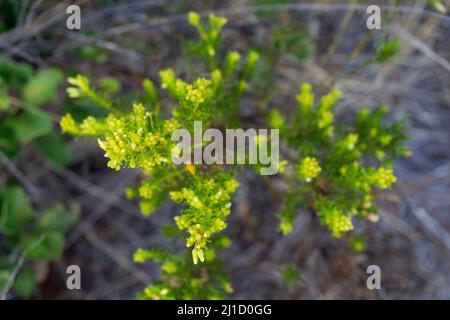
x,y
308,169
190,168
331,216
328,101
194,18
384,178
286,226
305,98
69,125
276,119
169,267
199,91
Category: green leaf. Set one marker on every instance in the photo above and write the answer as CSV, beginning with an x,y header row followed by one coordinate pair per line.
x,y
42,87
15,209
4,276
49,249
13,73
387,50
54,147
8,13
290,274
57,219
93,53
110,85
25,284
4,100
4,97
8,144
29,125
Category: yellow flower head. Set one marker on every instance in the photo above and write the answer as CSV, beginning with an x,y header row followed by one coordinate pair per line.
x,y
384,178
305,98
69,125
199,91
286,226
308,169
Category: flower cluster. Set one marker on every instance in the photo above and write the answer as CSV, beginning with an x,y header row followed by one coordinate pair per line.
x,y
136,140
181,280
326,168
81,87
174,86
208,202
384,178
140,138
330,215
90,126
338,153
308,169
209,33
198,92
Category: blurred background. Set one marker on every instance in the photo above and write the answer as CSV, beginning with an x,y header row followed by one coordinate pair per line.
x,y
322,42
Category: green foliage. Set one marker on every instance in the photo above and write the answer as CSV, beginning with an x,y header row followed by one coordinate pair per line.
x,y
329,174
229,73
333,177
141,138
209,35
387,50
357,243
54,147
26,283
208,201
4,98
294,41
14,74
92,53
286,39
35,236
29,125
180,279
290,274
22,119
16,210
41,88
81,87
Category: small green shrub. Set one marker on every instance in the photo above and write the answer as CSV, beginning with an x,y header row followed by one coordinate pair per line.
x,y
334,170
332,176
28,236
183,280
